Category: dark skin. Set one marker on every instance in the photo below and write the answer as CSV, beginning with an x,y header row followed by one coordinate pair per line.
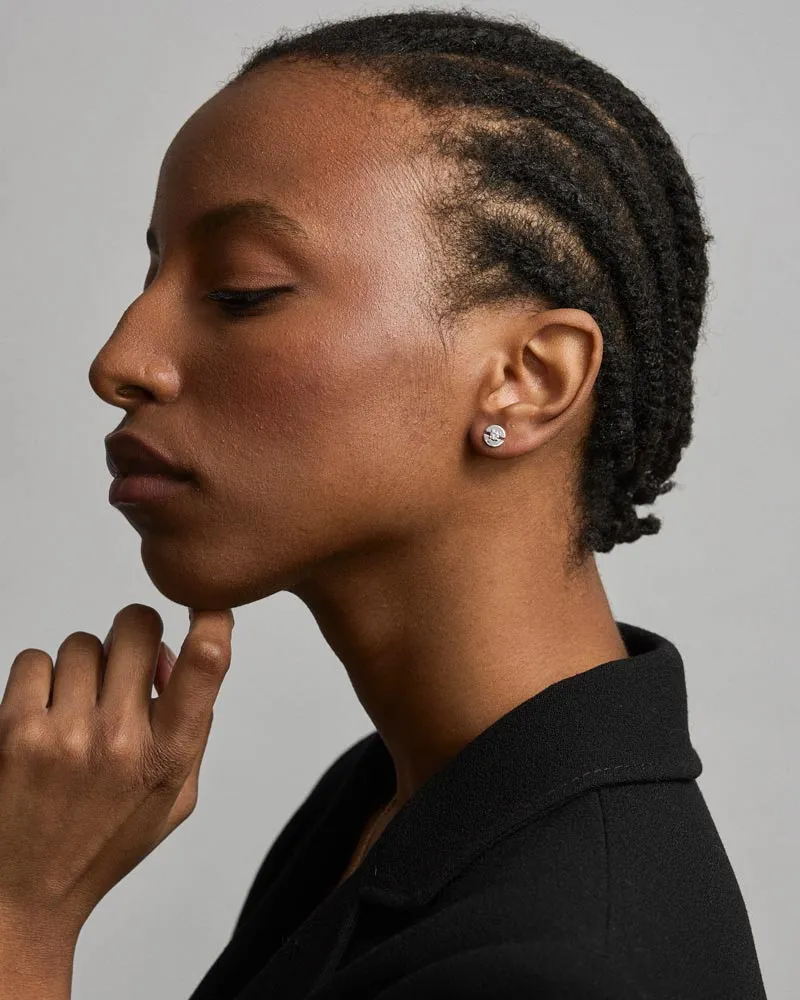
x,y
338,449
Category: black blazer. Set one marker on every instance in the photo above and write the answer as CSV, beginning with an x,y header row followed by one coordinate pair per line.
x,y
566,852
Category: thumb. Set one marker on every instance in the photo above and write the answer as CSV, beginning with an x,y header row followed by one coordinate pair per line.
x,y
182,715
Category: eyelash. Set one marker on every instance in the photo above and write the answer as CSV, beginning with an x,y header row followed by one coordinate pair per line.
x,y
241,302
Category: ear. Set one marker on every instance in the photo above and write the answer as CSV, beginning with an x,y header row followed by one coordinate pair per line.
x,y
538,381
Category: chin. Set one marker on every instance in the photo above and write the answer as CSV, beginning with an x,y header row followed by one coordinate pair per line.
x,y
198,580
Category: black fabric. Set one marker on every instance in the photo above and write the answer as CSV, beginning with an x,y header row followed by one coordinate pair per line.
x,y
566,852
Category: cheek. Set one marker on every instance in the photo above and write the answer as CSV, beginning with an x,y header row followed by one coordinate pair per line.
x,y
329,419
280,411
308,452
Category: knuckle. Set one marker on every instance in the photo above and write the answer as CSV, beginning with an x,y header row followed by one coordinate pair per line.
x,y
35,741
138,621
75,744
141,612
80,640
31,653
28,733
211,656
117,747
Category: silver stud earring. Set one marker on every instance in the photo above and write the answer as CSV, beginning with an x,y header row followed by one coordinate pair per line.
x,y
494,435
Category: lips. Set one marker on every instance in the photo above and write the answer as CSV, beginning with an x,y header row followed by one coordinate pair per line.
x,y
128,455
148,489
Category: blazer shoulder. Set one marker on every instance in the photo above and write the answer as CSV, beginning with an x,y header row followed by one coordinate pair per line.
x,y
517,971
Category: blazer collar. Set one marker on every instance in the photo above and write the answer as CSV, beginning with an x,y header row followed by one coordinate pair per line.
x,y
624,720
621,721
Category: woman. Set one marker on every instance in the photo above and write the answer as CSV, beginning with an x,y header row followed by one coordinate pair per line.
x,y
424,296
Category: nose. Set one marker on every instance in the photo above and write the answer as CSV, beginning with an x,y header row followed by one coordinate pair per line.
x,y
131,367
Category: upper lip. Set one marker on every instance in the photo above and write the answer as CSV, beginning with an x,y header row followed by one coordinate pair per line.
x,y
127,455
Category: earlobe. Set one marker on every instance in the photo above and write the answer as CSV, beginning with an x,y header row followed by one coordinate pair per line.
x,y
519,433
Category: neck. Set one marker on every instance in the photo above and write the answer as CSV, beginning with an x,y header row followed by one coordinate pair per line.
x,y
441,639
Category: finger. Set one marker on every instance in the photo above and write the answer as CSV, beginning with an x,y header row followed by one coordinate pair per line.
x,y
181,716
131,663
29,683
166,661
78,673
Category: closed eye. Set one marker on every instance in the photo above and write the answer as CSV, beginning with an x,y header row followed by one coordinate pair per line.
x,y
245,301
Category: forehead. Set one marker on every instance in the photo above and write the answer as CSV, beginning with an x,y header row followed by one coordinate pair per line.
x,y
329,148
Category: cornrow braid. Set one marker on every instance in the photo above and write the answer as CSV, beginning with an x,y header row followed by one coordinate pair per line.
x,y
564,188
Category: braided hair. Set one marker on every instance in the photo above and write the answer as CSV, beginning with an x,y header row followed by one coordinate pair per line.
x,y
567,190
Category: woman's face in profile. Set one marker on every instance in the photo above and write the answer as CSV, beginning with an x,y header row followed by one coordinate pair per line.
x,y
316,421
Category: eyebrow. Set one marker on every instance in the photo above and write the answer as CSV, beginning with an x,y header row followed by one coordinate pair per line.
x,y
260,213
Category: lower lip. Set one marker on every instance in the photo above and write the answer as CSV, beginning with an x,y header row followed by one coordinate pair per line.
x,y
137,489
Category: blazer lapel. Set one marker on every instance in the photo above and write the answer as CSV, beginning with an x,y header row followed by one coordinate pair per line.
x,y
310,955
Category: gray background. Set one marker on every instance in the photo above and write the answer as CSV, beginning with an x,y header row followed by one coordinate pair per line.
x,y
92,93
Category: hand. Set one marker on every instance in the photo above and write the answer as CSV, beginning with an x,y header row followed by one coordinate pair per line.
x,y
94,778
